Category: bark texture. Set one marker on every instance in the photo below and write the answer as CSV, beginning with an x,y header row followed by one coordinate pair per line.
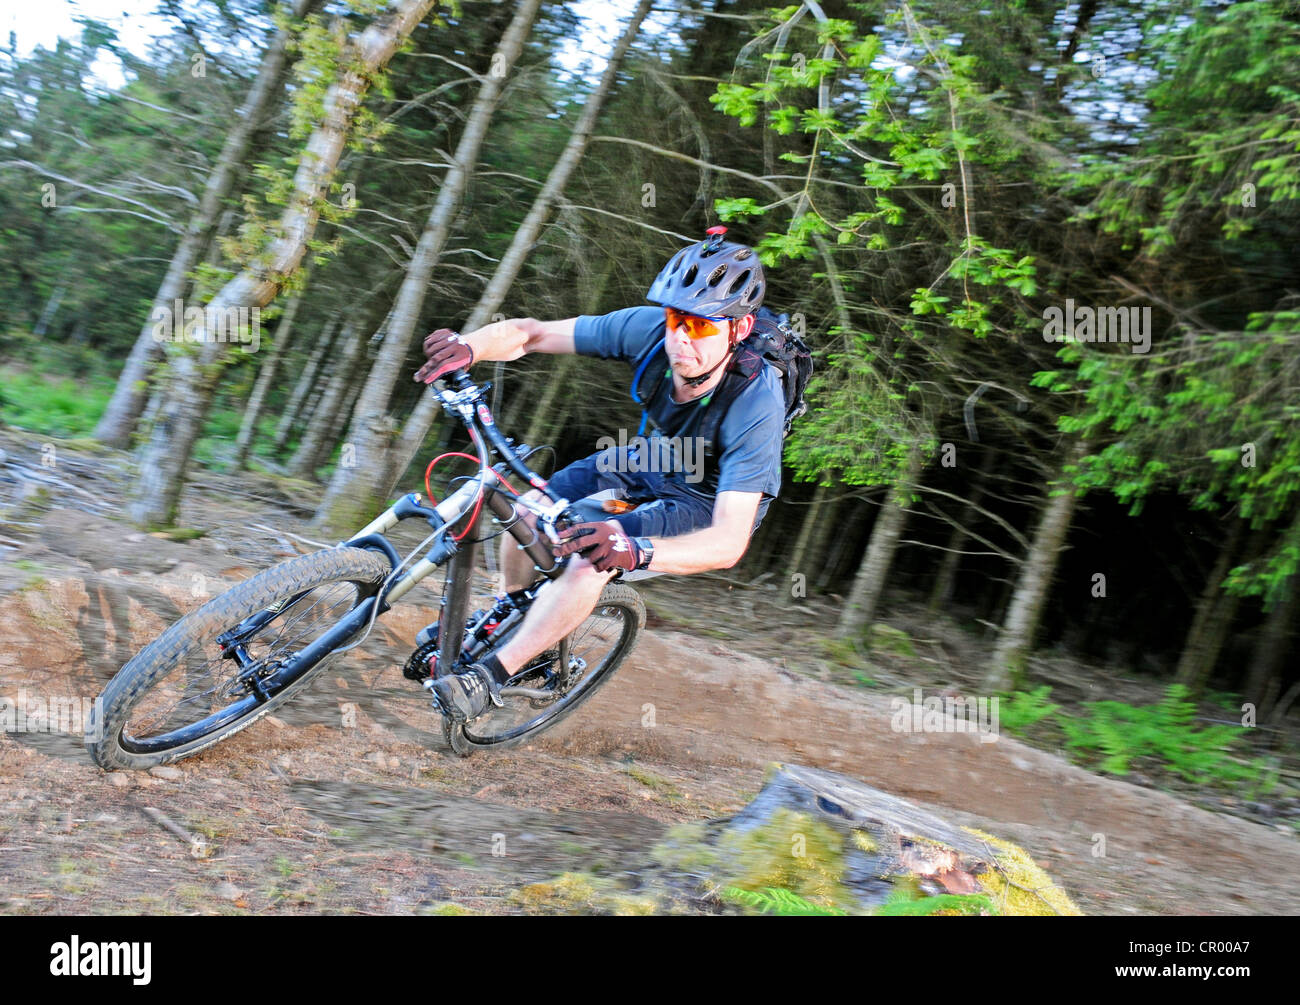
x,y
129,397
507,271
321,433
353,491
297,403
869,583
165,458
265,380
1016,637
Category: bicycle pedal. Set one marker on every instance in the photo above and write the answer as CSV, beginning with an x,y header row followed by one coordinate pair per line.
x,y
438,706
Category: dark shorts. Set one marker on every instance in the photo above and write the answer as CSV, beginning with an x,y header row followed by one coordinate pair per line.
x,y
665,508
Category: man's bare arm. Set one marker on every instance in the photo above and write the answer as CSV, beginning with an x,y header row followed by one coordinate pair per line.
x,y
719,546
507,340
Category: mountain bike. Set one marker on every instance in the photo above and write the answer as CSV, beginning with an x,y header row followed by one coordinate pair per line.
x,y
237,658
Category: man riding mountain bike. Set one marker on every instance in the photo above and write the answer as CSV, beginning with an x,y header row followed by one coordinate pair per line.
x,y
688,521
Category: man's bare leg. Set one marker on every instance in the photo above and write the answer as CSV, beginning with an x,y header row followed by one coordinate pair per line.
x,y
517,569
559,608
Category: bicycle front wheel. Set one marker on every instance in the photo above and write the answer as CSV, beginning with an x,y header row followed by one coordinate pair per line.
x,y
185,692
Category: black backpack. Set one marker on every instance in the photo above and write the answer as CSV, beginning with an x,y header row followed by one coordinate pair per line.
x,y
772,342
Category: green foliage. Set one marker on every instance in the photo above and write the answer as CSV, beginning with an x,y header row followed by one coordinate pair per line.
x,y
1230,58
1211,412
849,120
901,904
1111,735
778,901
58,407
1213,417
887,639
1117,734
1020,710
905,904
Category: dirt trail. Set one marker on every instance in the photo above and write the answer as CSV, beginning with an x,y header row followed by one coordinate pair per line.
x,y
347,801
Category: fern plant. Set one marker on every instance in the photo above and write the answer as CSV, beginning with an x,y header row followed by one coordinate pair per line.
x,y
779,901
1165,731
901,904
1022,709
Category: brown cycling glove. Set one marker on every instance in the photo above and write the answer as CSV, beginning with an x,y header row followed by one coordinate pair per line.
x,y
445,351
604,544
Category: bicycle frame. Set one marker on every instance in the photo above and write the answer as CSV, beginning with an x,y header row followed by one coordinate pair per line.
x,y
468,402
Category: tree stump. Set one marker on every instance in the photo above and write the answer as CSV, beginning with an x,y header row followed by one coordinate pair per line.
x,y
815,842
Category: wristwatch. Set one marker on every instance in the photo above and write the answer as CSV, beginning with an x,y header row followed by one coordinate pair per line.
x,y
647,551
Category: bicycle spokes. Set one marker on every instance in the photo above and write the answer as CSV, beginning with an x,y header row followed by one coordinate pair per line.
x,y
237,675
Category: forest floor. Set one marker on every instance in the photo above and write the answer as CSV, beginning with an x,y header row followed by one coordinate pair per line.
x,y
348,801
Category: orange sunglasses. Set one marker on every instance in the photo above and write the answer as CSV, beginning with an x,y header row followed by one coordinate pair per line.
x,y
697,326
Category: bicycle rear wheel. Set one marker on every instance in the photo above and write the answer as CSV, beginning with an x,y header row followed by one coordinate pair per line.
x,y
184,692
586,660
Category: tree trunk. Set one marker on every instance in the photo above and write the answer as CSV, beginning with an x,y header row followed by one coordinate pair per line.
x,y
359,489
811,523
1221,617
1196,646
844,517
302,389
47,315
860,610
1016,637
946,578
157,390
341,423
193,374
320,436
262,387
124,408
507,271
818,550
1265,677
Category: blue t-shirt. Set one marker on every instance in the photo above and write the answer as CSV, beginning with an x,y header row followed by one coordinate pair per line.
x,y
750,436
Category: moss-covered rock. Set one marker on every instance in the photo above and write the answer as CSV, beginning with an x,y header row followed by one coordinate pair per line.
x,y
446,908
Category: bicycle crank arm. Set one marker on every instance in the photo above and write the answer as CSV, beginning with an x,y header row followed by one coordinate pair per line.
x,y
525,692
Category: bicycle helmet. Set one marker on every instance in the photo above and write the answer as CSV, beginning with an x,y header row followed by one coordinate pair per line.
x,y
715,278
